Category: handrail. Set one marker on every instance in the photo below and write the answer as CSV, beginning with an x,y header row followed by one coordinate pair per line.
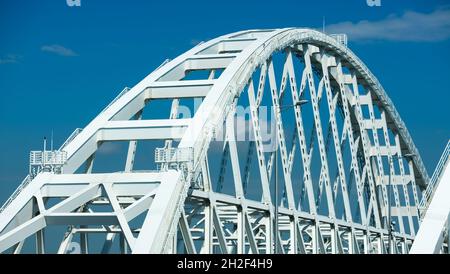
x,y
126,89
16,193
163,63
341,38
123,92
71,137
50,155
429,192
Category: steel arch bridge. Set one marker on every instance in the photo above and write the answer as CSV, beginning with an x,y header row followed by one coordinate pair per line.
x,y
340,167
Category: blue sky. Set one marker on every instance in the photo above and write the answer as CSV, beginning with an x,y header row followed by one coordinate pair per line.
x,y
61,65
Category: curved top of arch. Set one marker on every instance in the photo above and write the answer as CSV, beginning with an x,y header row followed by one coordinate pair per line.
x,y
260,44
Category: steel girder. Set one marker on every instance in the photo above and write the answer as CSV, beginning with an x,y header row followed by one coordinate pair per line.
x,y
181,210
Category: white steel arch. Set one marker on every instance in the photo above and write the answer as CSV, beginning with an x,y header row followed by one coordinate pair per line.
x,y
177,200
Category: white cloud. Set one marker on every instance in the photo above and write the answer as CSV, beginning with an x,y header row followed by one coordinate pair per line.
x,y
59,50
411,26
10,59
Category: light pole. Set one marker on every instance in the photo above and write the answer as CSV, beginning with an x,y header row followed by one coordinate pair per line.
x,y
279,110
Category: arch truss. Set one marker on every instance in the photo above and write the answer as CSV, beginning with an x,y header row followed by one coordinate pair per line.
x,y
272,141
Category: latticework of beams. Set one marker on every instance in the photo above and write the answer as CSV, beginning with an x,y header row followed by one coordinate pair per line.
x,y
338,152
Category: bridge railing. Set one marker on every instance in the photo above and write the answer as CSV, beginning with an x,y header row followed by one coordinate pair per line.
x,y
38,160
49,161
126,89
341,38
429,192
174,157
54,157
71,137
16,193
123,92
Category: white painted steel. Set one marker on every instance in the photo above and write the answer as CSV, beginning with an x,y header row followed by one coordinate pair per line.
x,y
179,196
435,207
